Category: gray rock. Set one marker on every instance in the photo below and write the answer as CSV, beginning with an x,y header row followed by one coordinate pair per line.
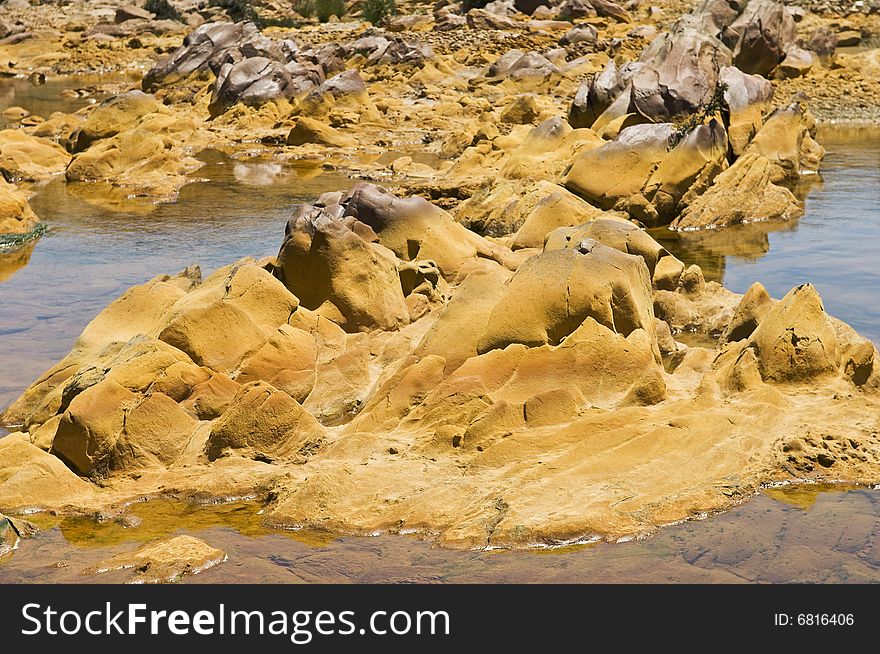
x,y
446,21
760,36
797,13
713,15
680,73
255,81
367,45
131,12
501,7
824,43
349,82
330,57
380,49
400,52
203,50
577,9
596,95
16,37
480,19
580,34
518,65
111,29
797,63
642,32
608,9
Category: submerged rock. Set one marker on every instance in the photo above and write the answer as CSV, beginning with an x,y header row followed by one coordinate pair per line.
x,y
8,537
164,561
135,158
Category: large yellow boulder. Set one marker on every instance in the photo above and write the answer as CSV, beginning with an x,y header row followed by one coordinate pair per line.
x,y
553,293
287,360
91,426
31,478
135,159
416,230
531,211
228,317
786,141
613,231
264,423
795,341
593,366
620,168
308,130
460,325
29,157
16,215
650,171
156,433
333,270
117,114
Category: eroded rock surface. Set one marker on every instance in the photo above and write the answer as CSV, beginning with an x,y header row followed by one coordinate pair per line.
x,y
488,345
319,379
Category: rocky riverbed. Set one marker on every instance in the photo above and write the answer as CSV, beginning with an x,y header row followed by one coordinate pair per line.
x,y
476,339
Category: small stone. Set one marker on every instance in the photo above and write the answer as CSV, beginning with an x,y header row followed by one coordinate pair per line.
x,y
130,12
848,38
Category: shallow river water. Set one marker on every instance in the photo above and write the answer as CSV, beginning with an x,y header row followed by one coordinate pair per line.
x,y
98,245
790,534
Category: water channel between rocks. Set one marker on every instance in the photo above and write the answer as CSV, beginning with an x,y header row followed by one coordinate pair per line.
x,y
98,245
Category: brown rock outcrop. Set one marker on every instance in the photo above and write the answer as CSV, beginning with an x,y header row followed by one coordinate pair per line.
x,y
749,180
